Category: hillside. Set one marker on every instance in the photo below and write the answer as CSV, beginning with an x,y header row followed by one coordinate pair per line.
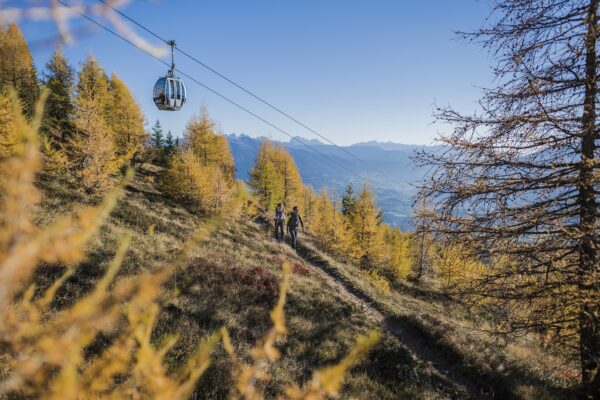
x,y
431,346
394,195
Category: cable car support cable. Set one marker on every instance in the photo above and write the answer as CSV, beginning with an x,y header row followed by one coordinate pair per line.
x,y
82,14
247,91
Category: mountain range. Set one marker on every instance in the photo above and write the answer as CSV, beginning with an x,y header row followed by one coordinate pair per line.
x,y
386,167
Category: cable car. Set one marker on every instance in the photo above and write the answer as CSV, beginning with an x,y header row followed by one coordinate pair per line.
x,y
169,91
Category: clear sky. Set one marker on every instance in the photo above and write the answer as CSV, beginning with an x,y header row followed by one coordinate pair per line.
x,y
354,70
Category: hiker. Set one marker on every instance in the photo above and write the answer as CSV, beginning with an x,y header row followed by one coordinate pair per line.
x,y
279,221
292,226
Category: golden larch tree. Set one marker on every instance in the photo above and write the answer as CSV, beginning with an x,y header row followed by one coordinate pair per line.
x,y
91,150
17,69
126,120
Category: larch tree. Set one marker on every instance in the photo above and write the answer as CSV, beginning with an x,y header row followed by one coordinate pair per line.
x,y
264,178
17,69
275,177
291,181
202,172
521,177
328,225
364,228
208,144
397,251
126,121
12,122
58,114
91,149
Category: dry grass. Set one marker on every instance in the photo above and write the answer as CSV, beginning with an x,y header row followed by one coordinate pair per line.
x,y
516,369
232,281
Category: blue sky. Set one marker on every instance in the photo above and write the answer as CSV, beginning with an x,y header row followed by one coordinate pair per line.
x,y
354,70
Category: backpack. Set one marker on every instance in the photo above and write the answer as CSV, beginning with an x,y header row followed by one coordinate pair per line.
x,y
294,219
279,215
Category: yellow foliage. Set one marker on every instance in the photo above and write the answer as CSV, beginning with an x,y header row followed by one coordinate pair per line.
x,y
397,252
199,184
210,147
11,122
202,173
454,266
125,120
55,158
91,152
42,348
378,281
328,225
363,225
275,177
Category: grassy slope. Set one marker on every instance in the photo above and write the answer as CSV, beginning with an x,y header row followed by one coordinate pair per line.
x,y
458,332
232,280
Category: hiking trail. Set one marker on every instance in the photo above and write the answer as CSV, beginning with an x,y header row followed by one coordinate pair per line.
x,y
417,347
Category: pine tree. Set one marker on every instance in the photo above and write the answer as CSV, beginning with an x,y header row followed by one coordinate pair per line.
x,y
17,69
158,143
349,202
126,120
170,146
58,114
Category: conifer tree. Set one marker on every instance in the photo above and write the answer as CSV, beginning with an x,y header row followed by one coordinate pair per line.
x,y
210,146
349,201
93,84
275,177
170,147
17,69
202,172
521,177
126,120
58,113
11,122
397,252
364,228
264,179
158,142
92,157
290,178
91,151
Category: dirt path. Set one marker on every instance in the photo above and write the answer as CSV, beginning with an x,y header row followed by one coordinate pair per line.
x,y
418,347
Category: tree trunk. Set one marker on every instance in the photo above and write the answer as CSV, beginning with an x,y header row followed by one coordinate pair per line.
x,y
589,316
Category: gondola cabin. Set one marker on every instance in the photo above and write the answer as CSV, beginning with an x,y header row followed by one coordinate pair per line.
x,y
169,93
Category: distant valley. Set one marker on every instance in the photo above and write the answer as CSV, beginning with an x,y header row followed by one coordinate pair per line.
x,y
394,185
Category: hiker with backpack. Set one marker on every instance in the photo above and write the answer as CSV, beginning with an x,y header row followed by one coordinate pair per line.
x,y
279,221
292,226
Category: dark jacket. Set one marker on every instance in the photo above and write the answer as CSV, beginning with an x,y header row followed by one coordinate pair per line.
x,y
294,220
